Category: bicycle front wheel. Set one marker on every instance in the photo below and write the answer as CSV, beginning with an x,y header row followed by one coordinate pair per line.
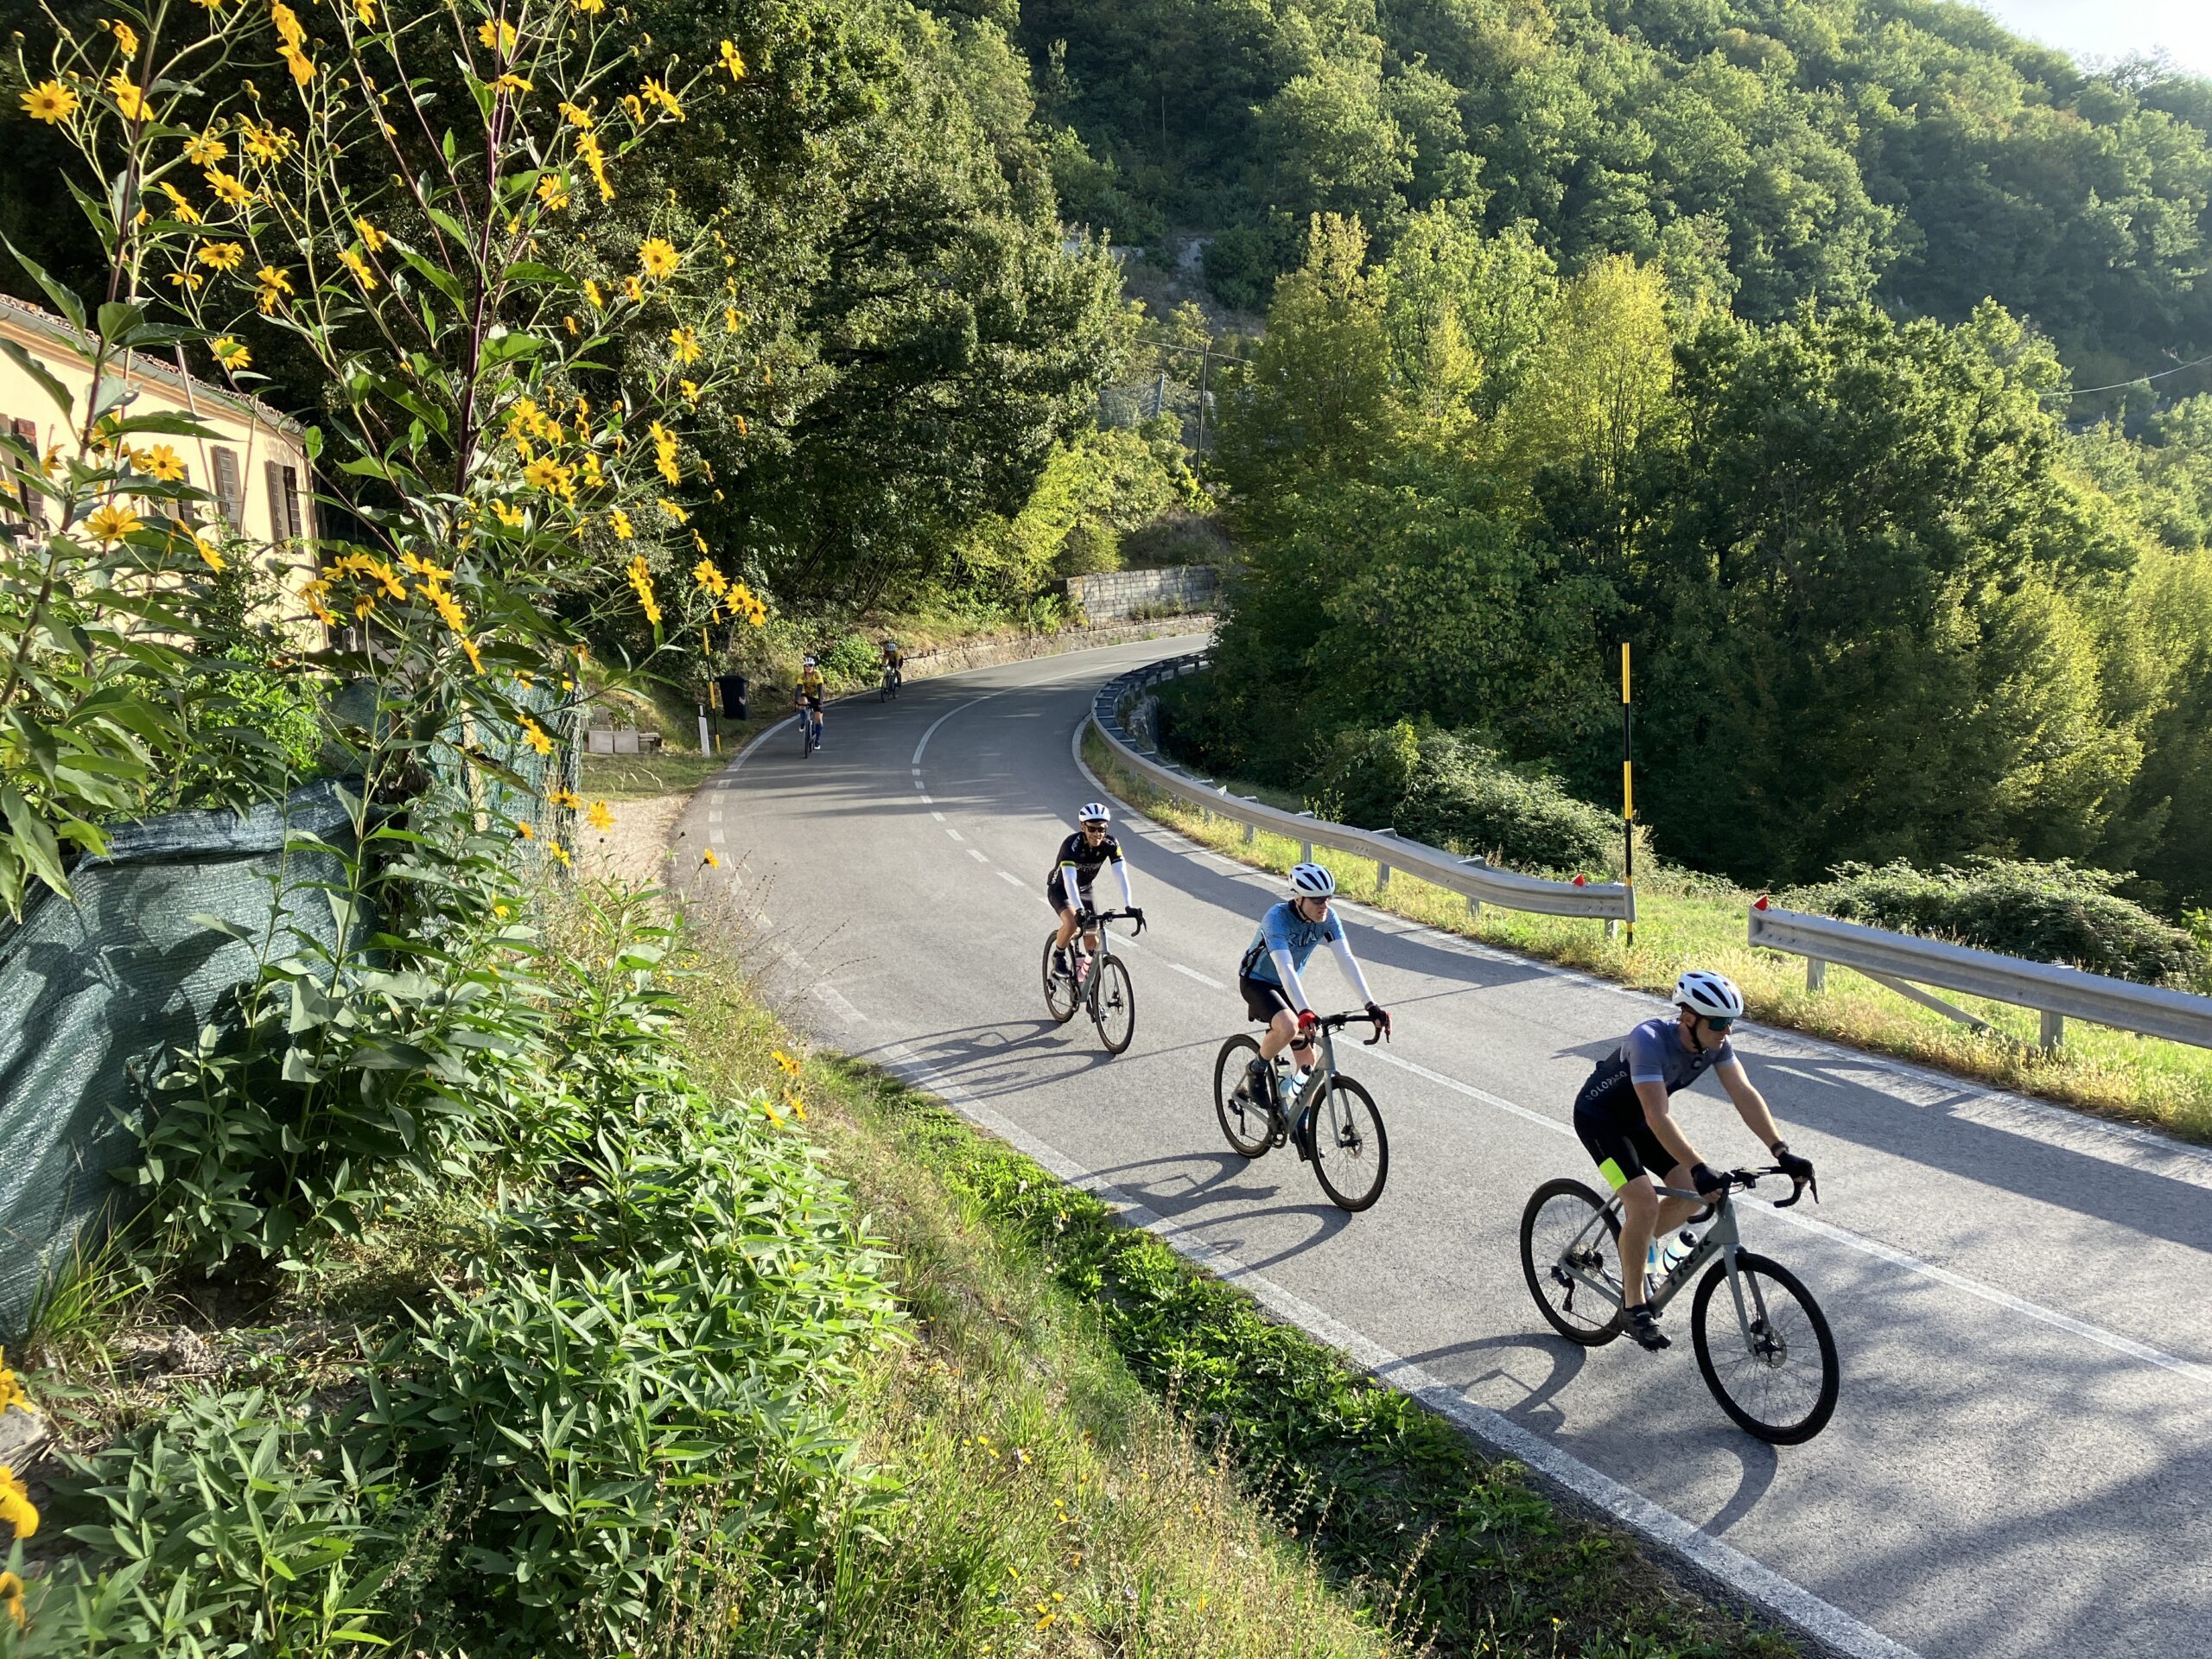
x,y
1563,1247
1061,996
1351,1154
1246,1121
1113,1004
1773,1369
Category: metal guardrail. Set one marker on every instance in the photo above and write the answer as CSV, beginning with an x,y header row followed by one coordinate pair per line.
x,y
1897,959
1608,902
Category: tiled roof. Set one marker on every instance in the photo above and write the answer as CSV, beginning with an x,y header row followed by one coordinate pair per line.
x,y
154,369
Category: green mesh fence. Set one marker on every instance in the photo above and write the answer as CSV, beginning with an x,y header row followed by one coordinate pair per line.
x,y
95,994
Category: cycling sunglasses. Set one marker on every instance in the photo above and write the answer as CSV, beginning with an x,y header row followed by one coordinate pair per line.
x,y
1720,1026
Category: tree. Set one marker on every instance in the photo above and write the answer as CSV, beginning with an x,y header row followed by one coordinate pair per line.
x,y
1327,146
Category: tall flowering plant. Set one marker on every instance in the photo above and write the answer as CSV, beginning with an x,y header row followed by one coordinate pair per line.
x,y
424,201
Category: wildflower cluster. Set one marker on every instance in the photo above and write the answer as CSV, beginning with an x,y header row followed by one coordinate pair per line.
x,y
731,598
792,1096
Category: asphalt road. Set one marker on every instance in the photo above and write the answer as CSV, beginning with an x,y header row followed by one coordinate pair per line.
x,y
2021,1460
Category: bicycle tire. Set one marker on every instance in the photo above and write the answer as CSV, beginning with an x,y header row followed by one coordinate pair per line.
x,y
1753,1370
883,692
1111,990
1348,1138
1245,1124
1559,1234
1057,982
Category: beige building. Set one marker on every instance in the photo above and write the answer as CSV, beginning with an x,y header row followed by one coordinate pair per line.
x,y
252,465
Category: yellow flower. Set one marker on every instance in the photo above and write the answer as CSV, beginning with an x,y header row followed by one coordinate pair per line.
x,y
621,520
729,318
545,474
11,1597
513,517
372,238
526,832
219,256
187,279
205,149
575,117
126,38
558,851
599,818
130,101
686,346
591,292
209,552
534,735
691,391
733,60
111,523
227,187
162,463
231,353
660,95
499,35
658,258
514,85
475,661
186,213
50,102
591,8
596,159
665,453
276,283
790,1063
552,191
641,580
365,10
674,512
709,859
289,26
353,262
301,65
630,291
263,145
708,577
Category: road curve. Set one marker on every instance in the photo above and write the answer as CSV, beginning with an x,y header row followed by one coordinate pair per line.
x,y
2021,1460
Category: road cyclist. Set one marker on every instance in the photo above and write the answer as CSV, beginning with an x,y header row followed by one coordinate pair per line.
x,y
1258,1108
806,698
1624,1121
1067,888
894,670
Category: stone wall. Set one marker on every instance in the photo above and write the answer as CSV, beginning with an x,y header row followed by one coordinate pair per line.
x,y
1126,593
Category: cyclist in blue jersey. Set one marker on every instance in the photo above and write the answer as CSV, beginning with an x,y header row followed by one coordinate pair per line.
x,y
1622,1119
1268,975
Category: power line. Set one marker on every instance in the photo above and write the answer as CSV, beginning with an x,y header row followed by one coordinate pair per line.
x,y
2140,379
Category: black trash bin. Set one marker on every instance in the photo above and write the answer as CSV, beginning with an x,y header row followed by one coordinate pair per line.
x,y
731,689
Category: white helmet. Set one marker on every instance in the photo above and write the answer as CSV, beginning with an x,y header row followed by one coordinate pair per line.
x,y
1714,995
808,663
1094,812
1310,881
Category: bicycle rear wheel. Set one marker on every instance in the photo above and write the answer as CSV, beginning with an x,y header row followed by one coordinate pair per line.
x,y
1775,1369
1113,1004
1555,1236
1248,1125
1060,993
1351,1154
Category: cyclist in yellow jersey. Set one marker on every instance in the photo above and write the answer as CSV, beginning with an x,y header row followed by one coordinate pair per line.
x,y
894,665
807,693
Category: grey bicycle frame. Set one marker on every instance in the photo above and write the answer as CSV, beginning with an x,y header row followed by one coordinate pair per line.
x,y
1722,1238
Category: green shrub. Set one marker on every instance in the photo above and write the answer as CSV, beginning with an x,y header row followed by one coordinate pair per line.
x,y
2059,912
855,658
1465,797
1368,773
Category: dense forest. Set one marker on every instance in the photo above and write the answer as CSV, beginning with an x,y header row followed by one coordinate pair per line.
x,y
1768,152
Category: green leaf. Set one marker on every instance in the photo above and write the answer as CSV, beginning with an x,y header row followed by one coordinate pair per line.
x,y
311,442
64,302
118,318
38,372
34,840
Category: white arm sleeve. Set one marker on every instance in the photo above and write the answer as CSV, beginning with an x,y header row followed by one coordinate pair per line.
x,y
1287,973
1071,887
1121,869
1350,963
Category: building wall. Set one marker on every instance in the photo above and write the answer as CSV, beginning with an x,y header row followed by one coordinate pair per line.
x,y
273,508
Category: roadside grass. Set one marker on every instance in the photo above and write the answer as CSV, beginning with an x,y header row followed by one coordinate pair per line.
x,y
1107,1450
1685,920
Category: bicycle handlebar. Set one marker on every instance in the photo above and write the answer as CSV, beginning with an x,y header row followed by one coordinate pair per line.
x,y
1339,1021
1099,918
1746,1179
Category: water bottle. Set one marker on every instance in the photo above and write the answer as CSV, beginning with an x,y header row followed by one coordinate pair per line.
x,y
1679,1249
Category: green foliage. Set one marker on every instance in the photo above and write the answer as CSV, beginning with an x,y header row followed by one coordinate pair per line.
x,y
2050,913
1464,797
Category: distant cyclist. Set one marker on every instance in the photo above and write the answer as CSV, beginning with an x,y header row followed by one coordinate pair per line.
x,y
808,695
1622,1118
1268,975
895,664
1081,856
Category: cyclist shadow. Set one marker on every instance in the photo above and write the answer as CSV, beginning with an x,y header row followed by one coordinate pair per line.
x,y
1159,1194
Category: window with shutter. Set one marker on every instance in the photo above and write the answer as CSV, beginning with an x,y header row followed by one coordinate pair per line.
x,y
230,486
295,523
283,501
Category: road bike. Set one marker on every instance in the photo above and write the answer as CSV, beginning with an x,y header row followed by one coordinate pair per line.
x,y
1774,1370
891,680
1334,1118
810,731
1101,981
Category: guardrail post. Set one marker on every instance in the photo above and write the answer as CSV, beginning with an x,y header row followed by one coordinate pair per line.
x,y
1382,877
1816,973
1612,930
2054,1030
1305,854
1474,907
1251,834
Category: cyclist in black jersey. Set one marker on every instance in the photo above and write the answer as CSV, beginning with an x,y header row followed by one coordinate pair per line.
x,y
1076,867
1622,1119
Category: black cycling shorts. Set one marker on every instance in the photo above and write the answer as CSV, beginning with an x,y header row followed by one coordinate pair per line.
x,y
1623,1147
812,700
1263,998
1055,894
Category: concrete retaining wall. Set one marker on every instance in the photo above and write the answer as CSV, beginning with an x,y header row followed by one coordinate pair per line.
x,y
1124,593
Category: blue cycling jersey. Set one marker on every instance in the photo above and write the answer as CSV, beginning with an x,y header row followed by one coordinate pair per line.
x,y
1653,1052
1283,929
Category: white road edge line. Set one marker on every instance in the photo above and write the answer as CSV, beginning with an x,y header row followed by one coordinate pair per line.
x,y
978,855
1192,973
1008,875
940,720
1747,1577
954,833
1859,1242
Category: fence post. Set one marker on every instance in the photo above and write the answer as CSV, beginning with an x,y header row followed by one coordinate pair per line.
x,y
2054,1030
1816,973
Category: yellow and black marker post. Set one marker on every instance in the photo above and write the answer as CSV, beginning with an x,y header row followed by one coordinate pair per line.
x,y
1628,794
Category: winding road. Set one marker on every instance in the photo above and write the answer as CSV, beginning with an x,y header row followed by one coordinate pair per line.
x,y
2021,1463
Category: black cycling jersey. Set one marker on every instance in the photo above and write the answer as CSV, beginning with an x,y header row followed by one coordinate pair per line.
x,y
1088,860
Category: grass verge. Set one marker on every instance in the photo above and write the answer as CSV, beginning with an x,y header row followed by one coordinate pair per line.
x,y
1687,920
1101,1442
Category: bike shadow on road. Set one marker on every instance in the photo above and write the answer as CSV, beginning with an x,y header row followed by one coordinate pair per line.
x,y
1195,1203
1008,1057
